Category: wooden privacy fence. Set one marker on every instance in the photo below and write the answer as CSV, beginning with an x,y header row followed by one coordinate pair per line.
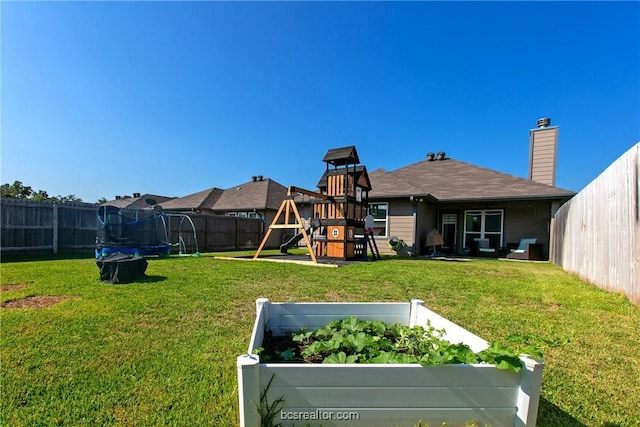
x,y
218,232
34,228
597,233
43,227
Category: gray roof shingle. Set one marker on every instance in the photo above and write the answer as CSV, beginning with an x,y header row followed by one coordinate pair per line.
x,y
139,202
266,194
451,180
201,200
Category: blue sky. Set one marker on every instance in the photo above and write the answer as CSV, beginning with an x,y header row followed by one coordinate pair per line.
x,y
109,98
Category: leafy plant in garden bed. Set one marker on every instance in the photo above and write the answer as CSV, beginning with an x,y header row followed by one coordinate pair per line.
x,y
351,340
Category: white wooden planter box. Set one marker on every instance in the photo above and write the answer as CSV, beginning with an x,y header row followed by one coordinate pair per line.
x,y
382,395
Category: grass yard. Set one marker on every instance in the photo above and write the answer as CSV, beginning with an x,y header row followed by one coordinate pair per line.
x,y
163,351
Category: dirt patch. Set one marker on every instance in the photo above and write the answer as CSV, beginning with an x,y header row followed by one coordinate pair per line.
x,y
9,288
37,301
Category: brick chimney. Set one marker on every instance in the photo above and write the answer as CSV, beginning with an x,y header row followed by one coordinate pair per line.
x,y
543,147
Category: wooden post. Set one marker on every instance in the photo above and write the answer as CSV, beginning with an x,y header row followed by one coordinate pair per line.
x,y
288,205
55,228
304,233
268,233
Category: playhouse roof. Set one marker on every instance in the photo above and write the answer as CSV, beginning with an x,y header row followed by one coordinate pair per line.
x,y
359,172
342,156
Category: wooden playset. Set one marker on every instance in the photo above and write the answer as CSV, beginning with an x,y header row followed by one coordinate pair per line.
x,y
339,210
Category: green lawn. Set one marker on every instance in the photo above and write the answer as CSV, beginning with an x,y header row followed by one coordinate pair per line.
x,y
163,351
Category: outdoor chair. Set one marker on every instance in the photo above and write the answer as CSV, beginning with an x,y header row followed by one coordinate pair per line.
x,y
483,248
527,249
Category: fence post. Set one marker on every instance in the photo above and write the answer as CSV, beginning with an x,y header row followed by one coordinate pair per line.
x,y
237,233
55,228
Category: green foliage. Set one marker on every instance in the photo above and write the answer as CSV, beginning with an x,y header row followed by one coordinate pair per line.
x,y
351,340
266,410
18,190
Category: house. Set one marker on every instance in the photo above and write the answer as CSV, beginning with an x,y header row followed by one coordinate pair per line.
x,y
464,202
138,201
259,198
200,202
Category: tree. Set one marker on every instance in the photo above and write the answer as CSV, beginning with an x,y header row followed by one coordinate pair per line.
x,y
18,190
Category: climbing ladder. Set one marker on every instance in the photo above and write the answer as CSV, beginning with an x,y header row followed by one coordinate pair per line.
x,y
371,243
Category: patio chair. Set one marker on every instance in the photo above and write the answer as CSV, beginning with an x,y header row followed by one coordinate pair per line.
x,y
483,247
527,249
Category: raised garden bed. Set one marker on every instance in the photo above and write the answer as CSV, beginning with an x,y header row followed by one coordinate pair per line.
x,y
380,394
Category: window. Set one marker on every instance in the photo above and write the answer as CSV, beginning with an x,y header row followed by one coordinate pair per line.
x,y
380,218
483,224
244,214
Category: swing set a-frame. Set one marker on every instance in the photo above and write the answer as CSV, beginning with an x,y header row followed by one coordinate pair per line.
x,y
292,220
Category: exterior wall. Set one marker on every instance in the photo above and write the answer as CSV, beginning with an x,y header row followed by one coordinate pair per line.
x,y
521,219
412,222
426,220
528,219
401,224
542,155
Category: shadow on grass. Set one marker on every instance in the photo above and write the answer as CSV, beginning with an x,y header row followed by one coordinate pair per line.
x,y
552,416
140,280
151,279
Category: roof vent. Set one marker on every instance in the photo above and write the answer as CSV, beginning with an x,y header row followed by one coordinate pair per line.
x,y
431,157
136,194
254,178
441,155
544,122
260,178
118,197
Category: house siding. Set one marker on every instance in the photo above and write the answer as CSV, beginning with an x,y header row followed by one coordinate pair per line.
x,y
542,163
401,223
528,219
426,221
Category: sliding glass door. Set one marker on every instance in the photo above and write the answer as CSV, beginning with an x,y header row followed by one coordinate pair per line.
x,y
484,224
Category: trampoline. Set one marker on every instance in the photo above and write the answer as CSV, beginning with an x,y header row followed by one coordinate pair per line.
x,y
139,232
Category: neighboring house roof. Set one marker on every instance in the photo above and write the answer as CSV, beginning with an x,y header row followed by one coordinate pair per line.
x,y
453,180
255,194
259,194
139,201
204,199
